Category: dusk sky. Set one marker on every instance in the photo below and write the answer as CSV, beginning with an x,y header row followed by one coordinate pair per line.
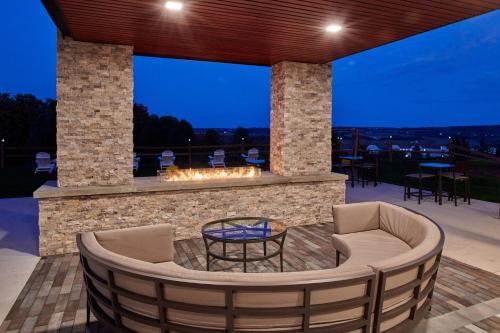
x,y
449,76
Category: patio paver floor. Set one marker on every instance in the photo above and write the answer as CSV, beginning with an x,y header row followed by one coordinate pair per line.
x,y
54,299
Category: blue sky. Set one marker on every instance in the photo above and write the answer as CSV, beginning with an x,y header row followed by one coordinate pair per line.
x,y
450,76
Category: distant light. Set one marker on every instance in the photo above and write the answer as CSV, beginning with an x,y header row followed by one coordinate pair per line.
x,y
174,5
333,28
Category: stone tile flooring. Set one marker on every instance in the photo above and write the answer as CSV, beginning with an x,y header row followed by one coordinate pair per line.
x,y
53,299
491,324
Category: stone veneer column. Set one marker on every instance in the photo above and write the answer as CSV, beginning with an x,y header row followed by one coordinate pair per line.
x,y
301,118
94,113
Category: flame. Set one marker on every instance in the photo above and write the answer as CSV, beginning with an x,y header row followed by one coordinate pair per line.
x,y
215,173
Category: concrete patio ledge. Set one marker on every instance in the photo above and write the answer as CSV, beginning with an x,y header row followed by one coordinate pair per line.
x,y
153,184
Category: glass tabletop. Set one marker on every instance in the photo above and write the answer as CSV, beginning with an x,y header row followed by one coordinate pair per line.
x,y
351,157
246,228
437,165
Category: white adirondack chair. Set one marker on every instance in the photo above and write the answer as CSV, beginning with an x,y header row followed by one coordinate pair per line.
x,y
373,149
252,157
136,162
166,159
217,159
44,163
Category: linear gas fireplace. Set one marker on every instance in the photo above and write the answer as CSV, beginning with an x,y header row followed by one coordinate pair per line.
x,y
210,173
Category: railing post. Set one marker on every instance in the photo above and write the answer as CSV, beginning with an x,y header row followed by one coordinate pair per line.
x,y
242,145
356,142
189,154
353,139
2,154
450,149
390,149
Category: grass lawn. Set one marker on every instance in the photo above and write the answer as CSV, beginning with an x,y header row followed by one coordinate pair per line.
x,y
21,181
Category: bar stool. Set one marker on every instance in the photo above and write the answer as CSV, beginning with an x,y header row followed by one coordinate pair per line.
x,y
412,176
368,167
459,175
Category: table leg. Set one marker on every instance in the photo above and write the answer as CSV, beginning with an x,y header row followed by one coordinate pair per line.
x,y
208,262
224,248
281,260
244,257
352,173
440,188
265,248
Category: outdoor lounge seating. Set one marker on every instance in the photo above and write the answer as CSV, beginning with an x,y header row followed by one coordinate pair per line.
x,y
44,163
404,250
136,162
252,157
166,159
133,283
217,159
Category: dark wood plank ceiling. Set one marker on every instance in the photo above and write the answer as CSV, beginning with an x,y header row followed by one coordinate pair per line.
x,y
261,32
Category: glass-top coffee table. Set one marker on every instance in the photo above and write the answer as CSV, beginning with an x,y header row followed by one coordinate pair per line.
x,y
244,231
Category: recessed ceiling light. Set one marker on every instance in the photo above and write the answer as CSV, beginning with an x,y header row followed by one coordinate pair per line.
x,y
173,5
333,28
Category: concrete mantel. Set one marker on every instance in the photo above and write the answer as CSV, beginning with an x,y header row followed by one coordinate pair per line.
x,y
153,184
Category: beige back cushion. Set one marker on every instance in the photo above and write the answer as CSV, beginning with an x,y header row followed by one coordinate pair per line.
x,y
153,243
405,225
356,217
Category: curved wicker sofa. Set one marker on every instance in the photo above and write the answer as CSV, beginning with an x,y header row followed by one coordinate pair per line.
x,y
133,284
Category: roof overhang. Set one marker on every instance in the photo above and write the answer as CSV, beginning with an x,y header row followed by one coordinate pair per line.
x,y
260,32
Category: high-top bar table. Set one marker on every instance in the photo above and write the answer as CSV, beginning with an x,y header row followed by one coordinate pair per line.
x,y
438,167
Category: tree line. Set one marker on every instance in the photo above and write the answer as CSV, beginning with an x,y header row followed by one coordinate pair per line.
x,y
26,121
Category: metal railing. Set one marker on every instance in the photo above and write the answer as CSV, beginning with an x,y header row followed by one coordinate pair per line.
x,y
190,153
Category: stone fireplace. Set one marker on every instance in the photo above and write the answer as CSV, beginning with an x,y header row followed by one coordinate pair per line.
x,y
96,189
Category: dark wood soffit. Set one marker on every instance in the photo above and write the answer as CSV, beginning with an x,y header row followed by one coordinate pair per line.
x,y
257,32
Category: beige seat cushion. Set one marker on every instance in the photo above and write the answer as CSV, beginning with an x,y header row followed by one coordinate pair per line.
x,y
364,248
356,217
153,243
458,176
